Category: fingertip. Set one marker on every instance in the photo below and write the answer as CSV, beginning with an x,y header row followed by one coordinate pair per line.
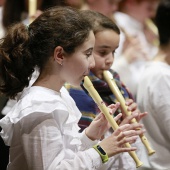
x,y
118,103
125,126
144,130
126,103
133,148
120,114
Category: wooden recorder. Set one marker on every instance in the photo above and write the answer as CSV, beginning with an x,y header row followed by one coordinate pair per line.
x,y
104,109
115,90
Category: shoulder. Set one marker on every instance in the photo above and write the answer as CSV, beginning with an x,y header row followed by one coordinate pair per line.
x,y
37,101
156,71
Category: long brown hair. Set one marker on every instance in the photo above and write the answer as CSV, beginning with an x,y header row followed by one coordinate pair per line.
x,y
23,47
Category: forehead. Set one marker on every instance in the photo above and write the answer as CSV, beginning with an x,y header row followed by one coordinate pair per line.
x,y
88,43
107,38
148,1
109,1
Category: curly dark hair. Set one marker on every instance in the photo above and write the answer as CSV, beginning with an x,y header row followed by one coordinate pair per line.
x,y
24,47
99,21
162,21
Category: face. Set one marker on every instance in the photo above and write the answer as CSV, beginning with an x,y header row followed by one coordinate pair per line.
x,y
106,7
106,43
2,2
78,64
74,3
146,9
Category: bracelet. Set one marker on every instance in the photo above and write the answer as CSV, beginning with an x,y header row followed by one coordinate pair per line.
x,y
102,153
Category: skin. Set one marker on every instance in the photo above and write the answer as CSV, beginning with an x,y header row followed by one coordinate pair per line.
x,y
141,10
106,7
63,67
114,144
72,68
104,50
83,62
2,2
74,3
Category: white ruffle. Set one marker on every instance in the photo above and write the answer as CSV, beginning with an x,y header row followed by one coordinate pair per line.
x,y
30,108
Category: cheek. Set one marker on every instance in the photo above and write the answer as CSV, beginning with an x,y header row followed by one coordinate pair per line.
x,y
98,68
99,62
97,72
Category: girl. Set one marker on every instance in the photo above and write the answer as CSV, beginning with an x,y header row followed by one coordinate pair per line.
x,y
41,129
106,42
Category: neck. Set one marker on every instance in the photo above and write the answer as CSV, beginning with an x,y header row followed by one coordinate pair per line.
x,y
49,79
134,13
163,54
49,83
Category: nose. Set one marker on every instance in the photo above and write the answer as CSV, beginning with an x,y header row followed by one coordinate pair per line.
x,y
114,7
109,59
91,62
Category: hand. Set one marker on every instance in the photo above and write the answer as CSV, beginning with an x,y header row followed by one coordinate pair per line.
x,y
133,50
132,107
115,143
36,15
135,113
100,125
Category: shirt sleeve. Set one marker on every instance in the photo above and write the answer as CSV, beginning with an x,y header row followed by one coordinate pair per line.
x,y
86,142
45,149
160,102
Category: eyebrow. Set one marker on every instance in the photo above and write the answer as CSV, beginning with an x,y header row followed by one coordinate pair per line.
x,y
90,49
107,47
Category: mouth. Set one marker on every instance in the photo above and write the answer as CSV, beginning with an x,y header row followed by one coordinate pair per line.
x,y
86,73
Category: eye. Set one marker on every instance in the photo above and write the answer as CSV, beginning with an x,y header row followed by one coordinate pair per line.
x,y
102,53
113,52
89,54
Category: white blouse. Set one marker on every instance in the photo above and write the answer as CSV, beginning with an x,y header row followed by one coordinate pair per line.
x,y
2,31
42,132
153,97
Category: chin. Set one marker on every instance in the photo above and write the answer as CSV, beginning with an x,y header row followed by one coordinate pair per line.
x,y
100,76
77,84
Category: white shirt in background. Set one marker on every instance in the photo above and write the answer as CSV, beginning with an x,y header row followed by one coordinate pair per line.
x,y
130,73
154,97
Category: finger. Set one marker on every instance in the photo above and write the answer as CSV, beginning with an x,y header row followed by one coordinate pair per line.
x,y
100,118
129,102
132,107
130,139
129,118
120,129
126,149
116,118
134,126
125,134
140,132
141,115
113,108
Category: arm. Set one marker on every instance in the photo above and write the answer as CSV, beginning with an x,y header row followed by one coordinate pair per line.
x,y
160,103
46,148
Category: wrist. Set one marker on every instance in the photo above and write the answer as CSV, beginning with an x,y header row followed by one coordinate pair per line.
x,y
101,152
87,134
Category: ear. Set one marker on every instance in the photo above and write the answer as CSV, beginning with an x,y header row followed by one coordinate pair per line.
x,y
59,54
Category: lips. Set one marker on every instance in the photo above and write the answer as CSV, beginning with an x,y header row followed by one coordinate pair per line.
x,y
86,74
